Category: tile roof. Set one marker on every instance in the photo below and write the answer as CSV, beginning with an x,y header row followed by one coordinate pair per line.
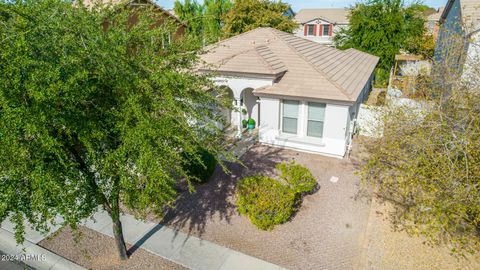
x,y
258,60
332,15
304,68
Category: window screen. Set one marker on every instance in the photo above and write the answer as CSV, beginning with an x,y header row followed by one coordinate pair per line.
x,y
316,117
290,116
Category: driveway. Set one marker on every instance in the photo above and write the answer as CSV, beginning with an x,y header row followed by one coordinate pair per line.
x,y
326,233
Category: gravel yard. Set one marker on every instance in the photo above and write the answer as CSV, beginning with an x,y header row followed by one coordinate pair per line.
x,y
326,233
388,249
97,251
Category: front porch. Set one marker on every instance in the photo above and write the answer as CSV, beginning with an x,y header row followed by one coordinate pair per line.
x,y
246,106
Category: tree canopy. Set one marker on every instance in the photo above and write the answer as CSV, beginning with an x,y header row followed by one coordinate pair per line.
x,y
383,27
246,15
205,20
95,110
192,14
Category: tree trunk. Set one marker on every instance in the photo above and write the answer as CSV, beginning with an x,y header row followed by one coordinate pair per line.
x,y
114,211
118,233
113,207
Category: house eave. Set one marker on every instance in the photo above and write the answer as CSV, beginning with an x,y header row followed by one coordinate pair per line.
x,y
244,74
301,97
445,12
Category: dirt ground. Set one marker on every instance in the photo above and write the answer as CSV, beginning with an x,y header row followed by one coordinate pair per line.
x,y
389,249
97,251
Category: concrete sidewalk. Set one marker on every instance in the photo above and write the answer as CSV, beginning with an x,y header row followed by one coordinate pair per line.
x,y
183,249
34,255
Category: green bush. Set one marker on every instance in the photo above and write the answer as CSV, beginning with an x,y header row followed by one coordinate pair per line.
x,y
244,123
201,171
382,77
381,98
298,177
265,201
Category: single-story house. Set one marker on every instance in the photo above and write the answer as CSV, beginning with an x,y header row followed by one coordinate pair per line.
x,y
302,95
321,24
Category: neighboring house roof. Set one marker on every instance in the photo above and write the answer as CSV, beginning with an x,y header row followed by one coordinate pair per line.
x,y
303,68
172,12
89,3
470,12
332,15
436,16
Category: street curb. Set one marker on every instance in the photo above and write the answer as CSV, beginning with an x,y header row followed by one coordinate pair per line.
x,y
34,255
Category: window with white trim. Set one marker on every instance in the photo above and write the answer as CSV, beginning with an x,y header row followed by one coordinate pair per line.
x,y
316,118
326,30
311,30
290,116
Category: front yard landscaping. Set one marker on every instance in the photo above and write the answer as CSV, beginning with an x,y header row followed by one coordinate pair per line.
x,y
267,201
326,232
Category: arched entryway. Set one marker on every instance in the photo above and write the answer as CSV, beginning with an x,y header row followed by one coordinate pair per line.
x,y
228,114
250,103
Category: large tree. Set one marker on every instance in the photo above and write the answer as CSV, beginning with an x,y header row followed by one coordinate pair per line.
x,y
95,111
246,15
205,20
214,20
382,28
191,13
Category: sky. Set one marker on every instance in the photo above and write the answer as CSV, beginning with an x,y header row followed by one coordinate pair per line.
x,y
299,4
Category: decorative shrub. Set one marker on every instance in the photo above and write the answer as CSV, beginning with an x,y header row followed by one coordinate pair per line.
x,y
251,122
202,171
244,123
298,177
381,98
265,201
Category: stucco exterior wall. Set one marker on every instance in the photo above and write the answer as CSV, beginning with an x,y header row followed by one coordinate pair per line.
x,y
241,90
337,130
335,127
238,84
471,69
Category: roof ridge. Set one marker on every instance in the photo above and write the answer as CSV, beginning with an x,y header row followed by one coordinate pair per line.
x,y
254,50
339,87
267,50
220,42
262,58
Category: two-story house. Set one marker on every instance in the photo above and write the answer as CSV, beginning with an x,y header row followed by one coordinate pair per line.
x,y
457,53
163,15
320,25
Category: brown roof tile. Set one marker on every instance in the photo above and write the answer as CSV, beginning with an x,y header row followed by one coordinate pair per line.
x,y
307,69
